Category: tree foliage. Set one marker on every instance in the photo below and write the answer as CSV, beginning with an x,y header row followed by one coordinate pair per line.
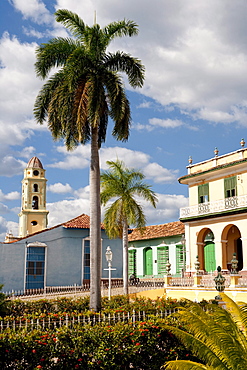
x,y
79,97
217,337
126,187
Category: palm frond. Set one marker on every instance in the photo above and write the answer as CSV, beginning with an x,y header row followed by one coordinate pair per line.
x,y
201,350
54,53
123,62
71,21
237,311
185,365
208,328
121,28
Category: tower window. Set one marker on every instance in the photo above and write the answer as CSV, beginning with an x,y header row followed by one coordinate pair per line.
x,y
34,223
36,173
35,188
35,203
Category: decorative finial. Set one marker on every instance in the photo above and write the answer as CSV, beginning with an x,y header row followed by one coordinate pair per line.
x,y
216,152
242,143
190,160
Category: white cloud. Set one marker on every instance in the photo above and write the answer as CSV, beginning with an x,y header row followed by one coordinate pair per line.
x,y
60,188
160,174
83,193
9,166
167,209
78,158
32,32
165,123
145,104
33,9
65,210
27,152
8,227
3,208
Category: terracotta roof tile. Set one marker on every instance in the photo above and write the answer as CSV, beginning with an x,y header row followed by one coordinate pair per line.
x,y
80,222
158,231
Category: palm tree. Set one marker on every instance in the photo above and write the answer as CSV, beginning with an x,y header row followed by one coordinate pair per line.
x,y
216,337
78,98
124,184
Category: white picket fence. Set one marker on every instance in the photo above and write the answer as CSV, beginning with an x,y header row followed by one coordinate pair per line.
x,y
52,323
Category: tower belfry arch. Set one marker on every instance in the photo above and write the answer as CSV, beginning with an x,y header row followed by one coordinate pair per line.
x,y
33,215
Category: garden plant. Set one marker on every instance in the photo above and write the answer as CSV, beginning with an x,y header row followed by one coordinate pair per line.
x,y
142,344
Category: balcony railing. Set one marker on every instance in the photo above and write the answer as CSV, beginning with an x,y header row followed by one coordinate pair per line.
x,y
217,206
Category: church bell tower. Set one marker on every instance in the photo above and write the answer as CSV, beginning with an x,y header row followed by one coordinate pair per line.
x,y
33,215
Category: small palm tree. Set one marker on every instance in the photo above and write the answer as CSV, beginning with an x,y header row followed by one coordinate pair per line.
x,y
80,96
122,185
217,337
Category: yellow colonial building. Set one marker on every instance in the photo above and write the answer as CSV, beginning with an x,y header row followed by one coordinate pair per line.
x,y
216,218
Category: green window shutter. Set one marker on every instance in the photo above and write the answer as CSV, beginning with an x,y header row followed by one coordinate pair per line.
x,y
148,261
132,262
203,193
179,258
162,257
230,186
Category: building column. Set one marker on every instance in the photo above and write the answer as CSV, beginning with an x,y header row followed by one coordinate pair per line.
x,y
244,248
218,253
224,254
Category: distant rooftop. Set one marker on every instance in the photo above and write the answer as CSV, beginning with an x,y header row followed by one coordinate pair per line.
x,y
158,231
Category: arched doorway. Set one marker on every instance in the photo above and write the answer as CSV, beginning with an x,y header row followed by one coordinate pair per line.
x,y
206,250
233,244
148,258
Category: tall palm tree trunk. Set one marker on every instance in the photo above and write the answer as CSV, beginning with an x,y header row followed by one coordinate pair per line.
x,y
95,225
125,257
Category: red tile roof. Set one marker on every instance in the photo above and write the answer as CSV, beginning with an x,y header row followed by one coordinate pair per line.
x,y
80,222
158,231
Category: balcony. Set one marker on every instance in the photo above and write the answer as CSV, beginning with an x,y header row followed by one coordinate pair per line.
x,y
211,208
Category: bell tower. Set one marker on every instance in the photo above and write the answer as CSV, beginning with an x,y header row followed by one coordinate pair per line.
x,y
33,215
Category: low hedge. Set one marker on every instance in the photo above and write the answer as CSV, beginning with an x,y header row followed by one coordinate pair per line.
x,y
143,346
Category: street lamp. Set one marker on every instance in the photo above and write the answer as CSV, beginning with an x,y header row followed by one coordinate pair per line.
x,y
108,255
183,240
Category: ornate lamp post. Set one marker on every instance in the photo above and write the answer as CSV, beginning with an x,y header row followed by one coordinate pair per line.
x,y
183,241
219,282
168,268
197,265
108,255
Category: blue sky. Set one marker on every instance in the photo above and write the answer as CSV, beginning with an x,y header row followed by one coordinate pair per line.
x,y
194,98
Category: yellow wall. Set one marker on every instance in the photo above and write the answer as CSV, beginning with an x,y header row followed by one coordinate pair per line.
x,y
198,294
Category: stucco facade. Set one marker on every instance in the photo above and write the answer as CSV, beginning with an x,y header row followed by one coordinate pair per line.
x,y
58,256
150,251
216,218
